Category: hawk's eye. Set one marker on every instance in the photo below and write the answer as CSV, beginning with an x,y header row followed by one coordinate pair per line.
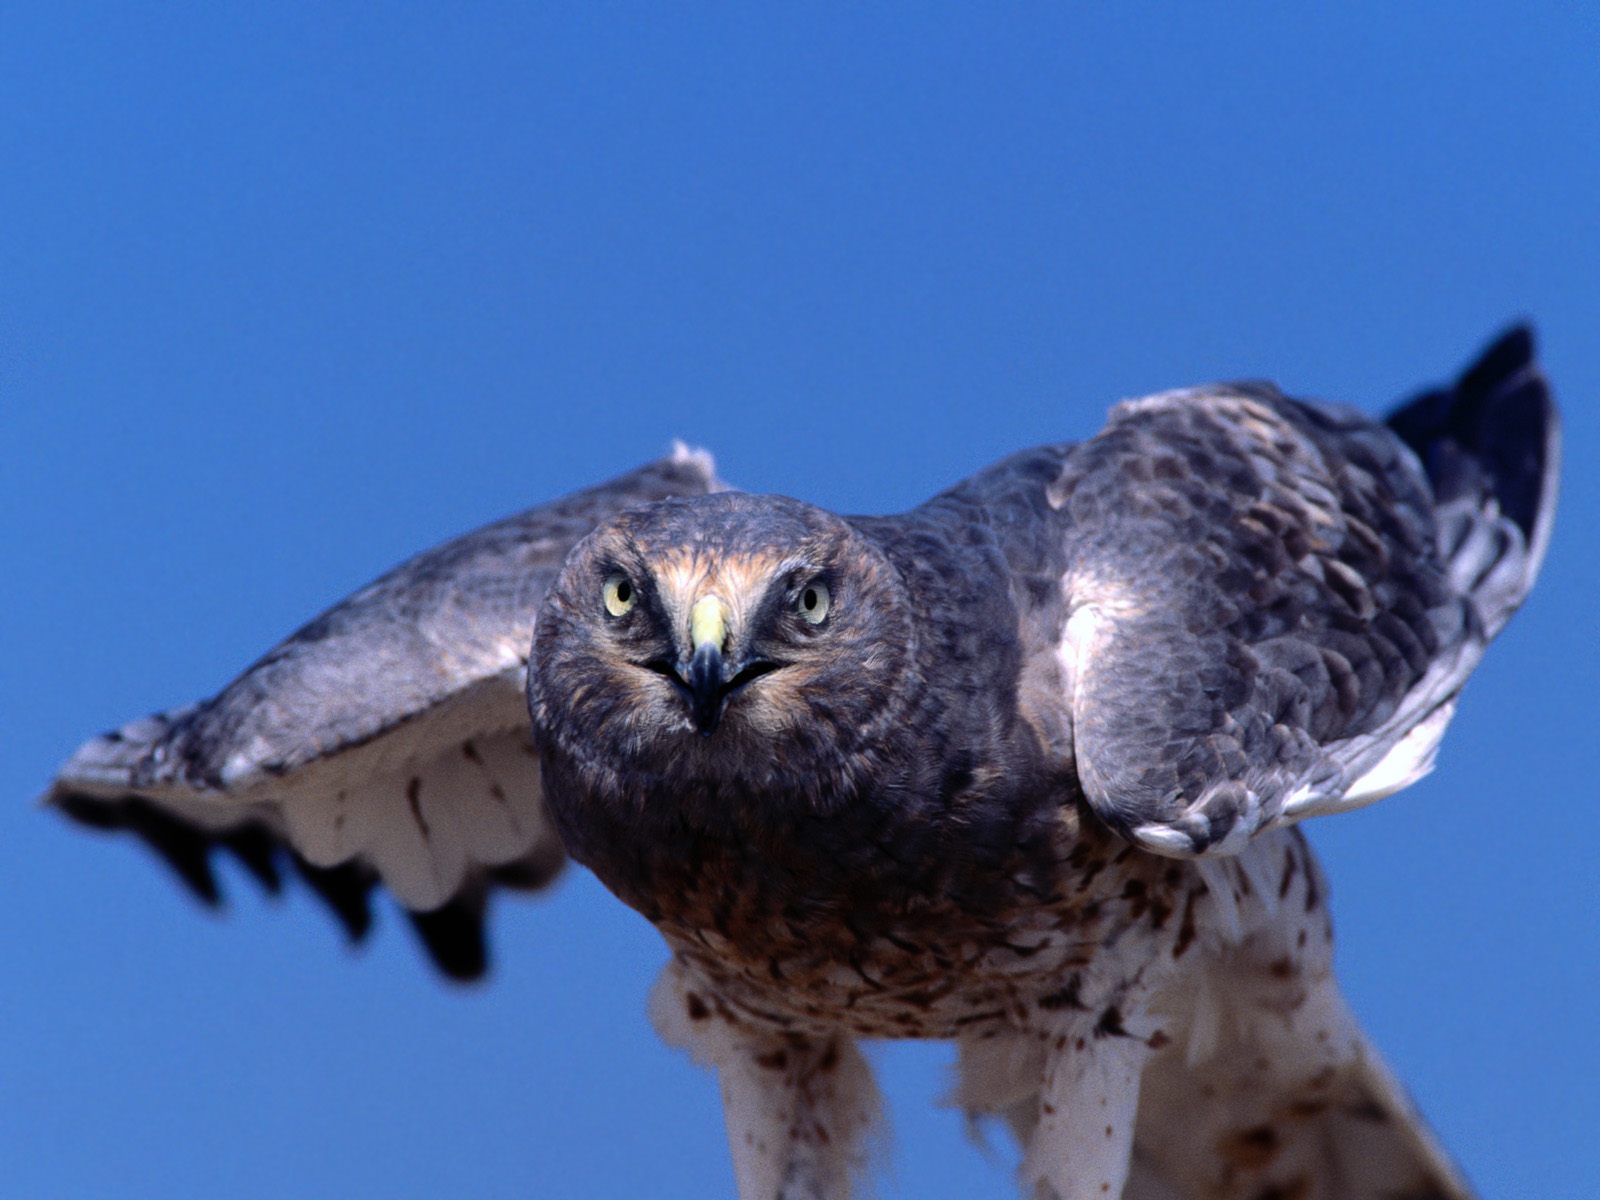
x,y
813,601
620,595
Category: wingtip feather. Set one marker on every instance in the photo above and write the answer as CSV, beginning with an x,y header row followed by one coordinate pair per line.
x,y
132,757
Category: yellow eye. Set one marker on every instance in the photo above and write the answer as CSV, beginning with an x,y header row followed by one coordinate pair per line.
x,y
813,601
620,595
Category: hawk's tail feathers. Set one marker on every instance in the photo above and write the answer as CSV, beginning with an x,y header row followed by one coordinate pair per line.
x,y
1491,447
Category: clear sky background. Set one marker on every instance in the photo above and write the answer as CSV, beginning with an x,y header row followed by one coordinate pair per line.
x,y
289,292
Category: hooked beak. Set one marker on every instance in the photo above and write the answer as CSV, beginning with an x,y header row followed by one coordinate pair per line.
x,y
708,630
705,678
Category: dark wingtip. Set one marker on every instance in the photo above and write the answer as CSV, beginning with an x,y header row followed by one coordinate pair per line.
x,y
535,871
1493,431
182,847
346,890
454,938
1510,353
453,935
257,852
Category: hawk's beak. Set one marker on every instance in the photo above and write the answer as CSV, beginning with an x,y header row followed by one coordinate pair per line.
x,y
708,629
705,686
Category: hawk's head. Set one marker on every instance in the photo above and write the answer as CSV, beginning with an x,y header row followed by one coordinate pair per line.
x,y
719,645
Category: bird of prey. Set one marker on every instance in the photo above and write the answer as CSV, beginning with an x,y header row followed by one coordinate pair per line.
x,y
1019,769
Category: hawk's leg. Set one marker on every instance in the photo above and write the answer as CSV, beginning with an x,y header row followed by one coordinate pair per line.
x,y
796,1113
798,1106
1069,1092
1080,1147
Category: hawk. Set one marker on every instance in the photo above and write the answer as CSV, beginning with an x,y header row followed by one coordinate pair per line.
x,y
1019,769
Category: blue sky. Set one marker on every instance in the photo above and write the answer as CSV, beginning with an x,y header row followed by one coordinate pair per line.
x,y
288,292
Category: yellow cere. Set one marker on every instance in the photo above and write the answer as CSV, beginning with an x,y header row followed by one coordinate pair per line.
x,y
708,622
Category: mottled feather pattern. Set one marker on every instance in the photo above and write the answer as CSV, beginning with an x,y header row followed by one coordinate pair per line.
x,y
1016,769
1272,601
1263,597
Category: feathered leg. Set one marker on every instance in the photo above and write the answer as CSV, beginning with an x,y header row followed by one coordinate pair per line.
x,y
1080,1147
1069,1093
798,1107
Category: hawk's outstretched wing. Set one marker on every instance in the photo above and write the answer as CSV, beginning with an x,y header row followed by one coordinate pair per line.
x,y
1271,606
388,740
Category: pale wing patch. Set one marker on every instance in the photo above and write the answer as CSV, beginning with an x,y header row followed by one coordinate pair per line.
x,y
1083,630
455,788
499,811
1409,760
474,803
421,860
1375,765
